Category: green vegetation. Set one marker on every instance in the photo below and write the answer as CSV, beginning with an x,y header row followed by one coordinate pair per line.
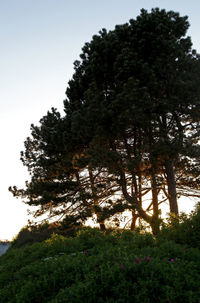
x,y
130,131
119,266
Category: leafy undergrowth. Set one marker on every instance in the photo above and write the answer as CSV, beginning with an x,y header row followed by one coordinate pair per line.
x,y
94,267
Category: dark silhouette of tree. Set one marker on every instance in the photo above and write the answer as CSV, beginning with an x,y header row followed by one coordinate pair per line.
x,y
131,126
63,184
136,92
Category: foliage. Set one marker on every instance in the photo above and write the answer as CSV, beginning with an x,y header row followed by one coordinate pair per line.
x,y
121,266
184,229
131,127
39,232
30,235
131,94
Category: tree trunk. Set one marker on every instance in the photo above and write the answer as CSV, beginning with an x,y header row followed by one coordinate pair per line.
x,y
154,192
102,226
133,220
155,225
132,199
171,183
96,201
134,190
101,222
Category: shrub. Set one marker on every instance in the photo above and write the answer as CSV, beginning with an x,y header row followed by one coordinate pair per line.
x,y
30,235
97,267
37,233
183,229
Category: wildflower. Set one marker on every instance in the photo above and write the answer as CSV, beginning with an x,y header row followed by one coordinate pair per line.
x,y
172,260
138,261
186,250
122,266
84,252
147,259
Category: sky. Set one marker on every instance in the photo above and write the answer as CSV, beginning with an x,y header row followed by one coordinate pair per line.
x,y
40,40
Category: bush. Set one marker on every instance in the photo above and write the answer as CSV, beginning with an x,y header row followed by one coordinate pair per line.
x,y
30,235
37,233
183,229
96,267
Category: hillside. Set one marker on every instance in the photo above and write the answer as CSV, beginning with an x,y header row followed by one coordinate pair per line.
x,y
93,267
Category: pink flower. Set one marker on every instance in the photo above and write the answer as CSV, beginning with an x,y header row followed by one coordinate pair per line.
x,y
147,259
138,261
186,250
172,260
122,266
84,252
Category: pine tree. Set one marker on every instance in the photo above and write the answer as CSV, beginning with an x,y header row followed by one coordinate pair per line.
x,y
131,126
142,77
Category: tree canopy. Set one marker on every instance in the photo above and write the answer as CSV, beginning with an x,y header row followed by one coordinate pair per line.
x,y
131,126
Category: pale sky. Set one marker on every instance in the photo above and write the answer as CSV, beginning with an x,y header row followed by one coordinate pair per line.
x,y
40,40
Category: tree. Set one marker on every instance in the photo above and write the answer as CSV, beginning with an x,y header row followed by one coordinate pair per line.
x,y
52,186
63,184
131,124
142,78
